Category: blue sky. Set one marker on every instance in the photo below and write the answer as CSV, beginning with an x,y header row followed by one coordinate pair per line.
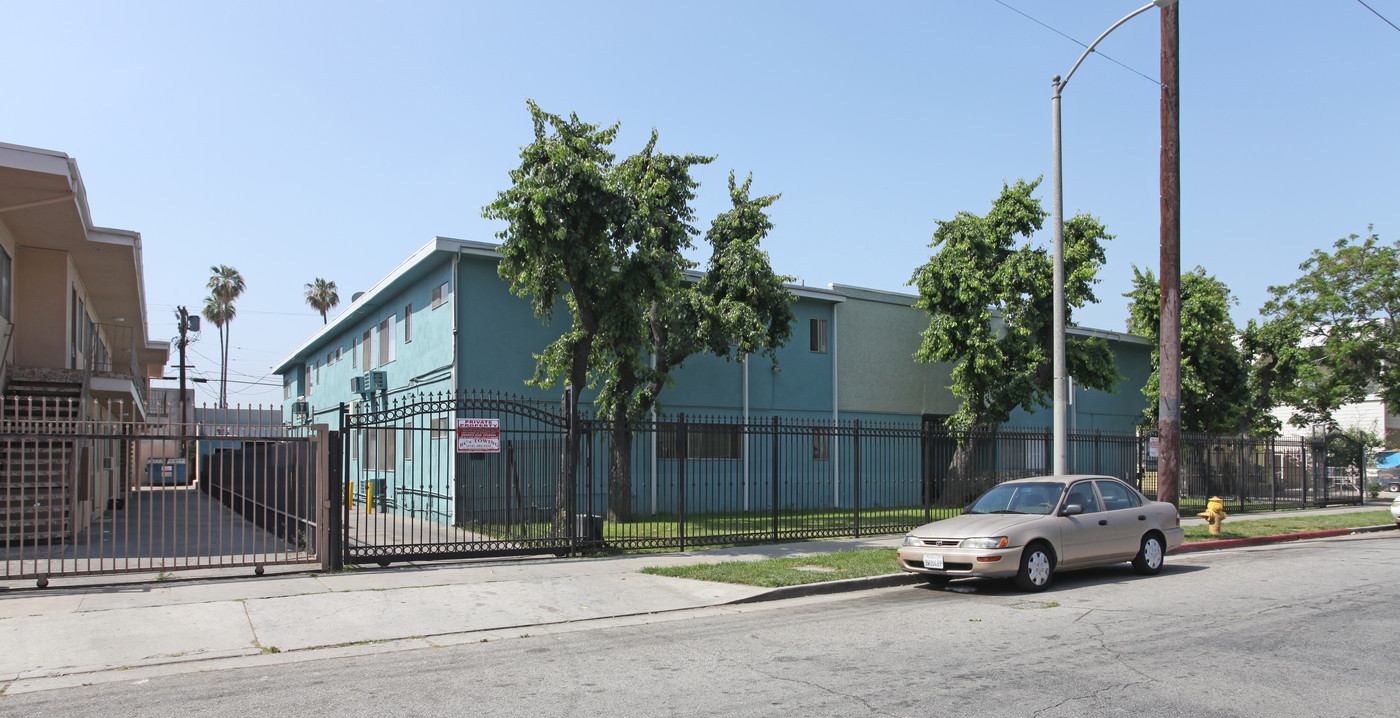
x,y
296,140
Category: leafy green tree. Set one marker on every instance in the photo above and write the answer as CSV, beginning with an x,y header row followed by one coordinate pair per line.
x,y
322,297
737,308
225,286
1215,395
1272,357
990,306
606,239
1345,306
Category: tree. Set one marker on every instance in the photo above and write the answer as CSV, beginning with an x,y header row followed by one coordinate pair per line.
x,y
990,305
737,308
1273,358
1345,308
606,239
224,286
1215,382
322,297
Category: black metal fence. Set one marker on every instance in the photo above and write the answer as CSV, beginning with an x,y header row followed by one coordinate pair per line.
x,y
410,491
1253,473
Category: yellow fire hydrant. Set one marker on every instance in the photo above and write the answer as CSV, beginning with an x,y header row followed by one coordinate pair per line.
x,y
1214,514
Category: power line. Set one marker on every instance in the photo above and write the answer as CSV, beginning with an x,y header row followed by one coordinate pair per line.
x,y
1387,21
1081,44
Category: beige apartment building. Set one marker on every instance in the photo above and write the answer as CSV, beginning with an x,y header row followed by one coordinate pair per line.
x,y
75,350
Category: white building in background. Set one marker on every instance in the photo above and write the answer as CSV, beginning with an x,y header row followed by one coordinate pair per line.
x,y
1372,416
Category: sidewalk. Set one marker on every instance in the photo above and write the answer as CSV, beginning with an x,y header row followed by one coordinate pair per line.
x,y
67,636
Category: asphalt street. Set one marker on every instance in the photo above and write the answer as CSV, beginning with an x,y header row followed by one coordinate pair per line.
x,y
1295,629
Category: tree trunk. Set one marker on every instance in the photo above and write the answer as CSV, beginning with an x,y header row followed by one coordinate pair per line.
x,y
620,472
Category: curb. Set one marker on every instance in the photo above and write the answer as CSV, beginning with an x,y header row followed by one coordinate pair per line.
x,y
1263,540
825,587
901,579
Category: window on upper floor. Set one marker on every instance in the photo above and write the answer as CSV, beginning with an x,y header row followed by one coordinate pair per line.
x,y
369,356
408,324
386,340
287,386
818,338
308,376
440,294
354,357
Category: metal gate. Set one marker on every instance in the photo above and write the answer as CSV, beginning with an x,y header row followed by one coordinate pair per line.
x,y
409,494
81,496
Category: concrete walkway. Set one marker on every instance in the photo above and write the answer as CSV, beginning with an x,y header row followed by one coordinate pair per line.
x,y
72,634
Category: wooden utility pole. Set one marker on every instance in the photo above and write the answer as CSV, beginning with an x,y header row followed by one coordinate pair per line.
x,y
1169,336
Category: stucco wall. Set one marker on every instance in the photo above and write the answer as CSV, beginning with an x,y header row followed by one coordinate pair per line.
x,y
880,332
42,313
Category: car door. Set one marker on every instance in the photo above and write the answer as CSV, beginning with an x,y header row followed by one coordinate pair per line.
x,y
1081,534
1127,520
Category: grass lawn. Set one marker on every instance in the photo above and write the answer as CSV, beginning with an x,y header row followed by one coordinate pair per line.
x,y
777,572
1232,529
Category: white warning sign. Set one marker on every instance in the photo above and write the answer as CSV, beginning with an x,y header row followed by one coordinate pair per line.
x,y
478,436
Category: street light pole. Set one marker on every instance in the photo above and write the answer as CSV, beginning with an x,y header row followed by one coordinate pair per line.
x,y
1061,436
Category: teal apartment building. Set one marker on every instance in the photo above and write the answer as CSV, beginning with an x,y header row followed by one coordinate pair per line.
x,y
443,322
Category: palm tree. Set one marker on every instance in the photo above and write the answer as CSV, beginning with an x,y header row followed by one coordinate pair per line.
x,y
225,285
322,297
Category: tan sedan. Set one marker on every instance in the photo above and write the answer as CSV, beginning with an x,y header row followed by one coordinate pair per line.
x,y
1028,529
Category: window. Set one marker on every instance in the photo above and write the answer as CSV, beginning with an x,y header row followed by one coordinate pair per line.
x,y
818,328
379,450
408,445
821,446
1117,496
408,324
440,295
4,284
354,357
339,353
287,386
717,441
369,356
386,340
441,427
1082,493
308,379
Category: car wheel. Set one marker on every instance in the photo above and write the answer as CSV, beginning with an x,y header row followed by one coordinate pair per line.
x,y
1148,561
1037,566
936,580
1394,487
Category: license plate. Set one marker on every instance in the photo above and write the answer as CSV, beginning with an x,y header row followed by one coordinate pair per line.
x,y
933,561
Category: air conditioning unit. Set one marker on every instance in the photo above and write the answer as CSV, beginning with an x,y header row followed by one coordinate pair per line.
x,y
378,381
359,384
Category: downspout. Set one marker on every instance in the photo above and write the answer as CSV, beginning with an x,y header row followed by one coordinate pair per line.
x,y
835,413
653,433
452,385
745,446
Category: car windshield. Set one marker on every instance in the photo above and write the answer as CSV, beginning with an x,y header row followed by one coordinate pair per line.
x,y
1028,498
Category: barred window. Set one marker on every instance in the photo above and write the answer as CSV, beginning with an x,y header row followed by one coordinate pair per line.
x,y
702,442
821,446
379,454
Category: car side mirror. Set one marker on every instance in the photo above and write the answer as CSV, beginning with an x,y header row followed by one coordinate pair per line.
x,y
1072,510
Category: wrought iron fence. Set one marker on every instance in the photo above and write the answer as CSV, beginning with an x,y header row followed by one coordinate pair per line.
x,y
1258,473
680,481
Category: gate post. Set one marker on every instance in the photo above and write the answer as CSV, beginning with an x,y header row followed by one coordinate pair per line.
x,y
775,479
855,472
683,450
331,521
